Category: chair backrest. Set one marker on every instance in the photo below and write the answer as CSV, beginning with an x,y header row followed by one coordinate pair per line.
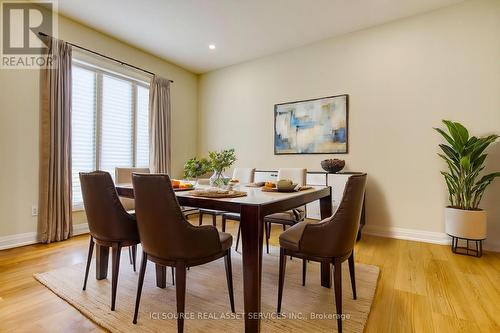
x,y
244,175
296,175
165,233
336,235
107,219
124,176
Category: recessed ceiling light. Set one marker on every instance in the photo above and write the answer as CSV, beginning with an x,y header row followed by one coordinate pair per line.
x,y
211,47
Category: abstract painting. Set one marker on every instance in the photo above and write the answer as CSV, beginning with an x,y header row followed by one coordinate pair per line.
x,y
315,126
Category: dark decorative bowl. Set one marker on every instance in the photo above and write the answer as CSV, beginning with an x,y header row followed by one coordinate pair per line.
x,y
333,165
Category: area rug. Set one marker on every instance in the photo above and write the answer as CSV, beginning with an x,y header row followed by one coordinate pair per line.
x,y
308,308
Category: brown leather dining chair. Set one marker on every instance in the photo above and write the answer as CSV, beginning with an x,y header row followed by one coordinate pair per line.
x,y
109,223
168,239
331,241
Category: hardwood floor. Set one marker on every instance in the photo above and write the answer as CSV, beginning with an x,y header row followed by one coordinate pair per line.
x,y
422,287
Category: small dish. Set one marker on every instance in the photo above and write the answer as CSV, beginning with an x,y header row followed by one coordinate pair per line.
x,y
287,188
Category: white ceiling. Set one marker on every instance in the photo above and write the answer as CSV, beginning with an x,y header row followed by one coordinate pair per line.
x,y
181,30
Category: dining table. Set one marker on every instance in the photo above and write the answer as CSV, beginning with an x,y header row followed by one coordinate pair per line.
x,y
252,207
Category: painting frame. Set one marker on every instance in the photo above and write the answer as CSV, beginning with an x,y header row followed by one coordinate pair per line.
x,y
346,151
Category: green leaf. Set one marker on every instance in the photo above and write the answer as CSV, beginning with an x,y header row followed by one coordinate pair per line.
x,y
489,177
451,179
482,144
462,131
450,152
456,135
478,162
465,162
470,145
451,166
446,136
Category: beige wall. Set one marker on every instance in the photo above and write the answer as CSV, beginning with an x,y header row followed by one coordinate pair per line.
x,y
19,114
402,78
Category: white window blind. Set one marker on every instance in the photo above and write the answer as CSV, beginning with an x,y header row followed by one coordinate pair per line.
x,y
83,118
116,129
110,123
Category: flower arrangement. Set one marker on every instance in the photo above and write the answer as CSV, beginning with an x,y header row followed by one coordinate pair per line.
x,y
195,168
220,161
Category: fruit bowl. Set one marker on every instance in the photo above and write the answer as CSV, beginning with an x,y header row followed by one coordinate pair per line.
x,y
286,188
333,165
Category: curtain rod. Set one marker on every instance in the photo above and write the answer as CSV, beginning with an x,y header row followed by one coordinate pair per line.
x,y
105,56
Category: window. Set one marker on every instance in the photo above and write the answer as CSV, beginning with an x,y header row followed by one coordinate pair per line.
x,y
110,123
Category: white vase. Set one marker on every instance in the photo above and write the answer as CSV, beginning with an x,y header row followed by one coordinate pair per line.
x,y
468,224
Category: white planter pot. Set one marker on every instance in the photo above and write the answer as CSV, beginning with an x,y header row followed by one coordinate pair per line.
x,y
469,224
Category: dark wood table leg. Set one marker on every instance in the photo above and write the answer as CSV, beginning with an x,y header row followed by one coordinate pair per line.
x,y
252,236
101,261
325,205
161,276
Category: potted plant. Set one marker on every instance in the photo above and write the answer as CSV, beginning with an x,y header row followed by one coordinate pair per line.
x,y
465,156
195,168
220,161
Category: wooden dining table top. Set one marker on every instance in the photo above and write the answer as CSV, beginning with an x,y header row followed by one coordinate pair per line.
x,y
255,197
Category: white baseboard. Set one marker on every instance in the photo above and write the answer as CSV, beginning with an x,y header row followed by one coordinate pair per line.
x,y
28,238
407,234
420,236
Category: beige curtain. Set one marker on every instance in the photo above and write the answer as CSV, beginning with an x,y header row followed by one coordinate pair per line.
x,y
159,124
55,146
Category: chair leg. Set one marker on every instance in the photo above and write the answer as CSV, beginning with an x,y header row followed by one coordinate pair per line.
x,y
238,237
304,271
281,279
116,249
161,276
229,277
223,224
130,255
200,218
337,280
214,220
142,272
180,290
89,259
352,273
284,227
268,235
133,248
173,275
